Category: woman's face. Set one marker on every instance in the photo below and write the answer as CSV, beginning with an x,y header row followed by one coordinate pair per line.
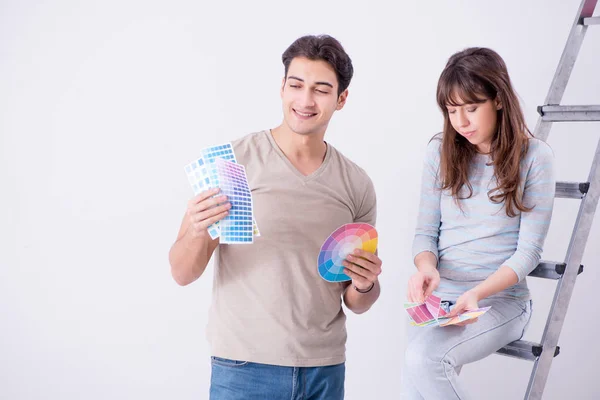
x,y
476,122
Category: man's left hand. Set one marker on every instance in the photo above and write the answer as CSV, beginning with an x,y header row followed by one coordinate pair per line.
x,y
363,267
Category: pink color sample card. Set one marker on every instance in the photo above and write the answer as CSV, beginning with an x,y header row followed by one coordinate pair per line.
x,y
432,313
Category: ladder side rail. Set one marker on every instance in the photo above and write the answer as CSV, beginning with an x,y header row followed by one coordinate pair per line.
x,y
566,63
564,290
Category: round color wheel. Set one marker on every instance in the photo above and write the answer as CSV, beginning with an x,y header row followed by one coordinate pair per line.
x,y
339,244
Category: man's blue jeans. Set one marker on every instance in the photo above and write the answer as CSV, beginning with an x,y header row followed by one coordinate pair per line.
x,y
237,380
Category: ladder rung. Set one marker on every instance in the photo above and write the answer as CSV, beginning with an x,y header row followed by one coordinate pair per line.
x,y
569,113
548,270
571,190
551,270
524,350
591,21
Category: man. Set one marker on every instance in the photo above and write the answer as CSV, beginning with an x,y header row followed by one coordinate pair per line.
x,y
276,328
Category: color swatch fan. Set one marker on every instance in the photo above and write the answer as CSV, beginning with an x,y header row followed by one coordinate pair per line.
x,y
203,174
432,313
236,227
340,244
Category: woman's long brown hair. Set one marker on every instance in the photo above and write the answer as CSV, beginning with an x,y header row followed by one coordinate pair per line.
x,y
476,75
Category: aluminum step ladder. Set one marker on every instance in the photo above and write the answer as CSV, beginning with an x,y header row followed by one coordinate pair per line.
x,y
588,192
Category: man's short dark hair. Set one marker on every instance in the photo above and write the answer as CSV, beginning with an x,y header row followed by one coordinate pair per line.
x,y
322,47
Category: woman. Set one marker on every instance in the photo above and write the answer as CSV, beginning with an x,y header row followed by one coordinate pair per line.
x,y
486,202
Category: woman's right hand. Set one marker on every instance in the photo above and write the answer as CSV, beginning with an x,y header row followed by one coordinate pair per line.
x,y
422,284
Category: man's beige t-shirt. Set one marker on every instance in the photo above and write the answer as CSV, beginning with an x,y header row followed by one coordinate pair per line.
x,y
270,305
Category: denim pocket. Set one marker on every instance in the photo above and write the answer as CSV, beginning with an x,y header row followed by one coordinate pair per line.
x,y
224,362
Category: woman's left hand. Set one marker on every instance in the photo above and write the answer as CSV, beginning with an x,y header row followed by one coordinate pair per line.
x,y
466,302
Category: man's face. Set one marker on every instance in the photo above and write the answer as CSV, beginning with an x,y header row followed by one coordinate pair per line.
x,y
309,96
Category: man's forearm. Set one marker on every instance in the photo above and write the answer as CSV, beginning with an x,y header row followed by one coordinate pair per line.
x,y
188,258
361,302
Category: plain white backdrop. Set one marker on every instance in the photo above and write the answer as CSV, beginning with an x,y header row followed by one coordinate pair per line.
x,y
103,103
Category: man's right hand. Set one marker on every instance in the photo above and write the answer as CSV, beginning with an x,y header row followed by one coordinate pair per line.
x,y
422,284
203,211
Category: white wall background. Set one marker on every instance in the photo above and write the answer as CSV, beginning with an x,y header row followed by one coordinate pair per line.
x,y
103,103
